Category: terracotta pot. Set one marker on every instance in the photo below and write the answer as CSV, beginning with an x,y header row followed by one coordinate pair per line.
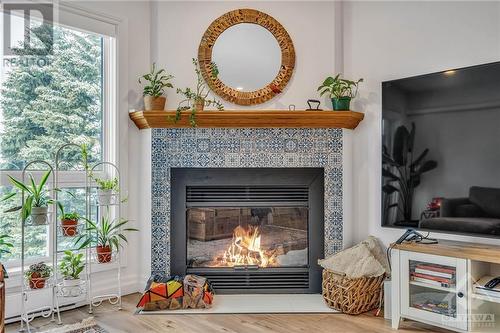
x,y
154,103
199,105
36,282
103,254
69,227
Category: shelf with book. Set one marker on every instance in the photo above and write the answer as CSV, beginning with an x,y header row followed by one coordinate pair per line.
x,y
426,285
486,298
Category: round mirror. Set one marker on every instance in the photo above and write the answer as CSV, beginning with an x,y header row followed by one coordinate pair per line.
x,y
253,53
248,57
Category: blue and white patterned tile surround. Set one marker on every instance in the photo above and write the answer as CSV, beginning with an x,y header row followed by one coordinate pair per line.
x,y
220,148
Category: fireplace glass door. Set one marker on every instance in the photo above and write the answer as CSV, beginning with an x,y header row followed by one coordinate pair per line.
x,y
247,237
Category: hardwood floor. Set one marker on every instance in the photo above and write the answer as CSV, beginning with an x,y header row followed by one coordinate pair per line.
x,y
125,321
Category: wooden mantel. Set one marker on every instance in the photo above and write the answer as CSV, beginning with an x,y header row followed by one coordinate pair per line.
x,y
250,119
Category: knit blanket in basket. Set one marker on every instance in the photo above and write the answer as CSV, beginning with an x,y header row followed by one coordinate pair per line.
x,y
366,259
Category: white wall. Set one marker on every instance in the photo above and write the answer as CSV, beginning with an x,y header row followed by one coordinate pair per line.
x,y
180,26
389,40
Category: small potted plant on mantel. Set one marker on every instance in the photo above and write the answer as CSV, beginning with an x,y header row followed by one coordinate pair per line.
x,y
341,91
37,275
197,99
69,222
71,267
153,92
106,235
36,199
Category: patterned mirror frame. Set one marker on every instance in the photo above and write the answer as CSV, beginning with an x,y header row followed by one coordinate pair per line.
x,y
246,16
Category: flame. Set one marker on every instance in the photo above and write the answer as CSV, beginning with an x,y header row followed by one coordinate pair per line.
x,y
245,249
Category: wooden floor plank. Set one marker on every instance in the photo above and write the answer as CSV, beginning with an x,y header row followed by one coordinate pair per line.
x,y
125,321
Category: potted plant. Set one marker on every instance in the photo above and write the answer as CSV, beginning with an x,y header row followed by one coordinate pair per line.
x,y
69,222
158,81
36,201
71,267
37,274
106,236
107,188
197,99
341,91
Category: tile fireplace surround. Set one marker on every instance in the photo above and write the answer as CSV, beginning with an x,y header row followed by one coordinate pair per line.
x,y
239,148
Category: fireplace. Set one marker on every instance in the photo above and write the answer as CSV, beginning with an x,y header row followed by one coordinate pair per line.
x,y
254,230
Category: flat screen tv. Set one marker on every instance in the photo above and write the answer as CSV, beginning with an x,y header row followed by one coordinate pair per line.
x,y
441,151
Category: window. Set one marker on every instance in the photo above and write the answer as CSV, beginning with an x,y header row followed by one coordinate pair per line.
x,y
45,104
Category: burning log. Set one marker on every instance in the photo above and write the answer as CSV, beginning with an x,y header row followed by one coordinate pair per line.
x,y
245,249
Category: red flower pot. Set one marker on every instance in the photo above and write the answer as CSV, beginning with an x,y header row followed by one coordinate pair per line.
x,y
103,254
69,227
36,282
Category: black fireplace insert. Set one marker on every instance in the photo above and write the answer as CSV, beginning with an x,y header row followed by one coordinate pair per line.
x,y
249,230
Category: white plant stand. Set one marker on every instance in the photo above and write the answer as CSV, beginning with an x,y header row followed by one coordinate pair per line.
x,y
113,210
80,290
55,283
52,308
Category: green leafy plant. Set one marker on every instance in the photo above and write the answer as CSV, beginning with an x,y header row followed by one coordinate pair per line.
x,y
72,265
39,270
336,87
5,245
194,98
402,172
158,81
107,184
105,233
73,216
36,195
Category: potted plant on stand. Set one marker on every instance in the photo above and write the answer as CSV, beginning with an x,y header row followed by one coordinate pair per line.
x,y
36,201
69,222
107,189
197,99
158,81
341,91
71,267
106,236
37,274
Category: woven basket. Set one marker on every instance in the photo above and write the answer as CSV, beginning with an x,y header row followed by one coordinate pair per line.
x,y
352,296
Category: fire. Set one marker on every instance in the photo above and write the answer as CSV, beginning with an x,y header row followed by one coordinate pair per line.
x,y
245,249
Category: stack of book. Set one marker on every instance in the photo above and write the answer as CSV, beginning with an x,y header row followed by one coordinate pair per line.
x,y
435,275
480,287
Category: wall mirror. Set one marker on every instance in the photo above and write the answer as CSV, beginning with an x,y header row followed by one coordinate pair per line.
x,y
253,53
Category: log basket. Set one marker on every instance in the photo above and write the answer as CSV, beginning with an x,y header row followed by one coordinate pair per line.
x,y
352,296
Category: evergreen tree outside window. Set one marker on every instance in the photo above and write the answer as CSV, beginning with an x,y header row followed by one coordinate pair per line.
x,y
46,102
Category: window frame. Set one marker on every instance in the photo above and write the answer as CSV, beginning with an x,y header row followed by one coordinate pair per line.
x,y
109,140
